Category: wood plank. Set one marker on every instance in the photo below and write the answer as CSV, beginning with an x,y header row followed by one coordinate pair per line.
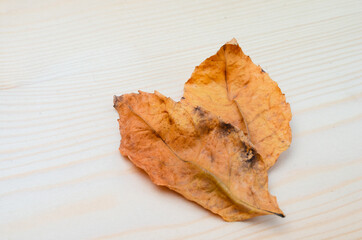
x,y
61,62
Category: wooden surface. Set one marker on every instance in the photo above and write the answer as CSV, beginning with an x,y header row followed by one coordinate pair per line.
x,y
61,62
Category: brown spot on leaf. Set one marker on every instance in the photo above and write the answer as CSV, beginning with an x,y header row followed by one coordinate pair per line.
x,y
226,128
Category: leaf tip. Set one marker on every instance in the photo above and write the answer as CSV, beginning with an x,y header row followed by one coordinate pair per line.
x,y
233,42
116,100
280,214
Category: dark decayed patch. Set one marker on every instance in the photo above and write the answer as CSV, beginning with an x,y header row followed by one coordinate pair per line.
x,y
226,128
199,111
203,122
251,157
170,121
203,126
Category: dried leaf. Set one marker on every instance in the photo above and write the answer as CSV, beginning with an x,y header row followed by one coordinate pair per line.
x,y
194,153
231,86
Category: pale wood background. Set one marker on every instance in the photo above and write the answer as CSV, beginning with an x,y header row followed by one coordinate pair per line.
x,y
61,175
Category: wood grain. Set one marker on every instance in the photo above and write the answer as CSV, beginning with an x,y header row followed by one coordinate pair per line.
x,y
61,62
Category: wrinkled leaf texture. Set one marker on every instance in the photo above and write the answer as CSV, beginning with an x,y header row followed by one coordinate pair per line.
x,y
231,86
215,146
193,152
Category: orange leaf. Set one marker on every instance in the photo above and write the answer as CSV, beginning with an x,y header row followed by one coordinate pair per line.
x,y
231,86
191,151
